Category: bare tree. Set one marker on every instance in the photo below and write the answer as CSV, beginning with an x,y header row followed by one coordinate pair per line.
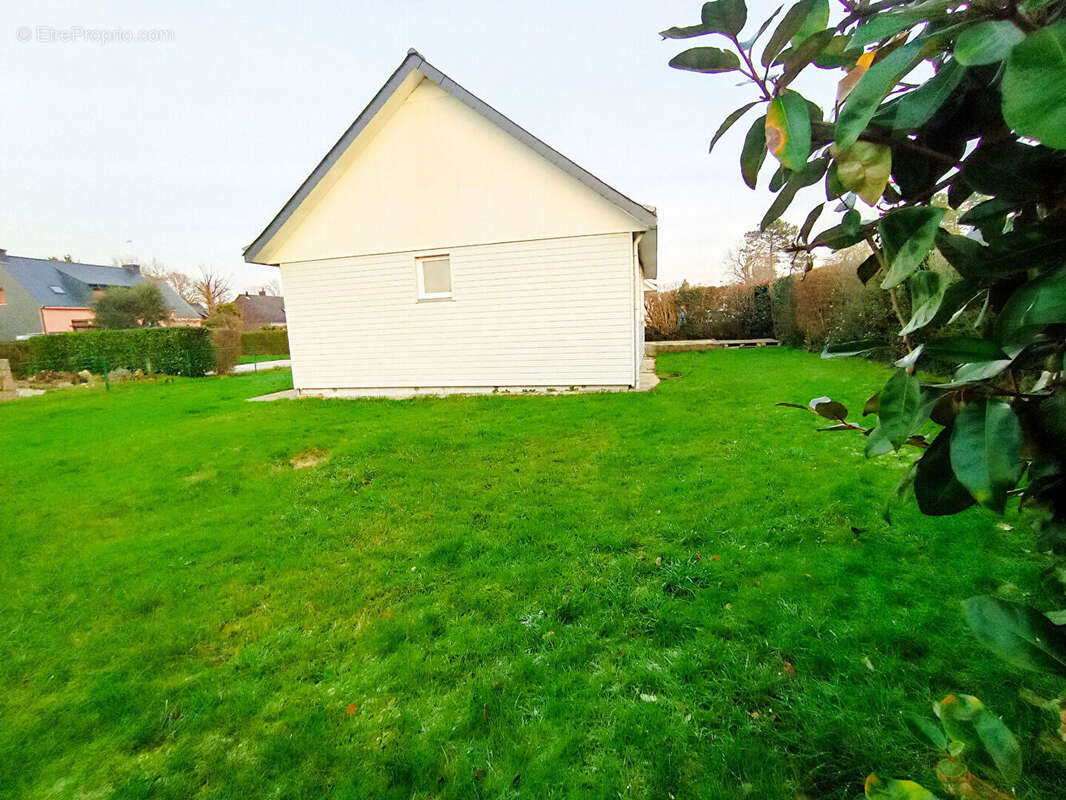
x,y
212,288
764,255
271,287
180,282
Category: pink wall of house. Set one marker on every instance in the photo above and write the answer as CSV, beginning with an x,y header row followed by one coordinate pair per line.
x,y
57,320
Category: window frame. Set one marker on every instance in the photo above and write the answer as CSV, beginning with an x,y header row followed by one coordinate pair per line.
x,y
420,278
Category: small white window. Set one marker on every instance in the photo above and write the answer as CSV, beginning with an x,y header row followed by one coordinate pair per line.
x,y
434,277
58,289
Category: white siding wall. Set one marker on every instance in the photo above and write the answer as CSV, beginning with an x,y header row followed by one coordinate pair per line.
x,y
549,312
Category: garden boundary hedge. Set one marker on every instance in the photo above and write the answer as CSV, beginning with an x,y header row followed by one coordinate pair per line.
x,y
18,354
168,351
264,342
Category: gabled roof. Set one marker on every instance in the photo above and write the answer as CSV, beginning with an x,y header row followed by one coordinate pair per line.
x,y
416,62
76,281
261,309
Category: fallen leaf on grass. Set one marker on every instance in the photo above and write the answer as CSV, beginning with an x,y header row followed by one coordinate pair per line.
x,y
352,709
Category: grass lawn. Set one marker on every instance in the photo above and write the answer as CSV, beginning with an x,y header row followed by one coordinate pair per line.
x,y
256,359
533,596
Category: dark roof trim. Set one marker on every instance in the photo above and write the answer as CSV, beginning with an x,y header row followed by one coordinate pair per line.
x,y
415,61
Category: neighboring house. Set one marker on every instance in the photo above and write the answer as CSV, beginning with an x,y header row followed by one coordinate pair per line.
x,y
261,310
42,296
440,247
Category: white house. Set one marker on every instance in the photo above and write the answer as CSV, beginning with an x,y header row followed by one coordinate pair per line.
x,y
439,247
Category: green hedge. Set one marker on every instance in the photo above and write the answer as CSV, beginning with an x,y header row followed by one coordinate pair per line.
x,y
18,353
269,341
169,351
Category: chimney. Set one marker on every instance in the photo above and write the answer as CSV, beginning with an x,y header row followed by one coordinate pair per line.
x,y
133,268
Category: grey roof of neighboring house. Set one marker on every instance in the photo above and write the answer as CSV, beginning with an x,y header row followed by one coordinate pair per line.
x,y
415,61
38,275
261,309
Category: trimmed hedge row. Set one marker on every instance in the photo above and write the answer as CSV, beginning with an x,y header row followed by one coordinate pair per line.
x,y
18,353
269,341
169,351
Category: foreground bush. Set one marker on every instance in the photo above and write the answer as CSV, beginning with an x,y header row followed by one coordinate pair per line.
x,y
169,351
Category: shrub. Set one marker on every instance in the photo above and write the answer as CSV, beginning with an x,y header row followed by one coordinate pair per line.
x,y
170,351
18,354
783,312
227,343
268,341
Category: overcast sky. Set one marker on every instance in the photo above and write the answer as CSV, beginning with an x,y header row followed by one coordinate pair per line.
x,y
182,150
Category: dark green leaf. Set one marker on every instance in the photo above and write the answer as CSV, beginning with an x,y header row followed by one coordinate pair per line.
x,y
1034,86
1019,635
917,107
936,488
900,404
985,210
962,252
987,42
800,56
788,27
808,223
729,121
907,236
706,59
1031,308
964,349
830,409
966,719
927,292
847,349
753,153
780,205
725,16
986,443
885,25
686,32
876,82
868,268
788,130
779,178
925,730
816,20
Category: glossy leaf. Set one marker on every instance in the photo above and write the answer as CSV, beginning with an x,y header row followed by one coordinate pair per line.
x,y
829,408
907,236
927,289
753,153
854,348
986,442
1034,86
1031,308
706,60
964,349
808,222
801,56
936,488
864,168
901,400
963,253
789,26
917,107
725,16
886,25
987,42
788,130
730,121
1018,634
871,89
816,20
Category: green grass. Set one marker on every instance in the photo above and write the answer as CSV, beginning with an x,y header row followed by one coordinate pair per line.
x,y
256,359
187,615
